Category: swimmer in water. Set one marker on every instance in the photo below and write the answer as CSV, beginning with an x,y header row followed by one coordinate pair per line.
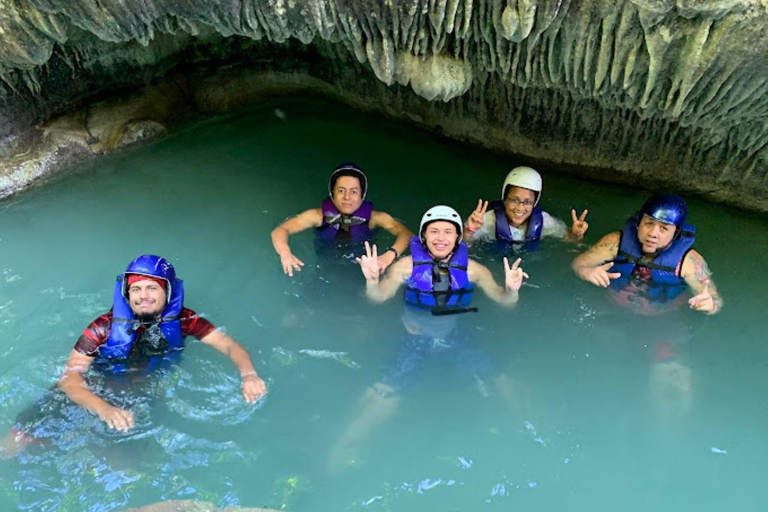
x,y
145,329
439,281
648,267
345,215
517,220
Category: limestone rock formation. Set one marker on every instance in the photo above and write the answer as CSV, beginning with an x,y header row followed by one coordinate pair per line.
x,y
668,92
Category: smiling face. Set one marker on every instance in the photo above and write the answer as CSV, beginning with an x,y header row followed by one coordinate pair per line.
x,y
518,205
441,238
347,194
147,297
653,235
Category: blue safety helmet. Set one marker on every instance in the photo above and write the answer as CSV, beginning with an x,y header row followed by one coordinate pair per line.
x,y
153,266
348,169
666,208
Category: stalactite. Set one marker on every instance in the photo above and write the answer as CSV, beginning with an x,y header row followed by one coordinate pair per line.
x,y
693,74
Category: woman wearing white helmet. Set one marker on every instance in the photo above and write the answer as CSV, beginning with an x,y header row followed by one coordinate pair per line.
x,y
439,277
517,218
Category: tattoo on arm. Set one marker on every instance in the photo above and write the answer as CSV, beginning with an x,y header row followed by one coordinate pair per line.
x,y
700,268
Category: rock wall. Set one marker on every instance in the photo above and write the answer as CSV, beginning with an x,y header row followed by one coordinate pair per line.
x,y
653,92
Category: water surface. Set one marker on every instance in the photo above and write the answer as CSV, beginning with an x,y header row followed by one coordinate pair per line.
x,y
568,407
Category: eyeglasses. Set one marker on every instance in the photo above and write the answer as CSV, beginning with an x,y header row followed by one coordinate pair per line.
x,y
516,202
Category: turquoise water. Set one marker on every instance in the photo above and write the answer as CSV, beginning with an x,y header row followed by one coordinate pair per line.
x,y
559,404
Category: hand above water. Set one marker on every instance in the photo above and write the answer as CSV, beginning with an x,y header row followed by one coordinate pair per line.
x,y
513,276
115,418
579,226
599,276
475,220
703,301
291,263
369,264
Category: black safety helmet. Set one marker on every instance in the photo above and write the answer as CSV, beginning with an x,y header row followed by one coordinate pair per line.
x,y
348,169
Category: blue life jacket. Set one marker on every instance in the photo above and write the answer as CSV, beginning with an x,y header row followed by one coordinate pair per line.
x,y
359,222
504,234
666,283
122,332
420,289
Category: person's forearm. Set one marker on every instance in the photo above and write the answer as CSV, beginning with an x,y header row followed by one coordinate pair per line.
x,y
242,360
578,268
73,385
469,235
402,242
504,297
374,292
280,241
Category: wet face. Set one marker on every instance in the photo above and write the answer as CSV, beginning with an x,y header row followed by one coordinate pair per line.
x,y
347,195
146,297
441,238
653,235
518,205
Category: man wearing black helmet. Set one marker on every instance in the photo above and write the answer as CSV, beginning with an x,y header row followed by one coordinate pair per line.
x,y
650,263
345,215
144,330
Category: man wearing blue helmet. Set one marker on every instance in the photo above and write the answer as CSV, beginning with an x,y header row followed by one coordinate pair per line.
x,y
146,327
345,215
650,263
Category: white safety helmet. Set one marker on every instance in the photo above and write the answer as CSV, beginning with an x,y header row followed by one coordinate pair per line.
x,y
523,177
440,212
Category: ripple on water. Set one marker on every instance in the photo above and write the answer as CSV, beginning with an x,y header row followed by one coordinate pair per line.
x,y
212,395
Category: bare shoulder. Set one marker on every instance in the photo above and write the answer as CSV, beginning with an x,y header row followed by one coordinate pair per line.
x,y
383,220
610,241
695,266
378,216
608,245
311,218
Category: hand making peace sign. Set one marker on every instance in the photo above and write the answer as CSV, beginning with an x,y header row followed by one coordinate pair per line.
x,y
369,263
513,276
580,225
475,220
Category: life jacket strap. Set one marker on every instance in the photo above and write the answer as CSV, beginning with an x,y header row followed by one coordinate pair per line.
x,y
625,257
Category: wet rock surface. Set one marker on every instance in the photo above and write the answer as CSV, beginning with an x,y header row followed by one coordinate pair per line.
x,y
652,92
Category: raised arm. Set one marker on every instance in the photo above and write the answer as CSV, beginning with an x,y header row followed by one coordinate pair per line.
x,y
513,277
593,265
74,386
395,227
696,273
252,385
380,290
309,219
